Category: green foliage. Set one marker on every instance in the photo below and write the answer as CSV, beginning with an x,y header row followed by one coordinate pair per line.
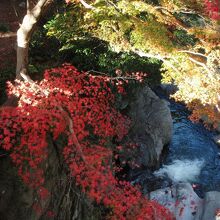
x,y
173,31
43,48
125,25
95,55
5,75
184,39
65,27
191,20
151,36
4,27
83,43
87,54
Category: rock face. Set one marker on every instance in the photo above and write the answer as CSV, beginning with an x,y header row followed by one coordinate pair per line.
x,y
151,126
184,203
168,89
66,201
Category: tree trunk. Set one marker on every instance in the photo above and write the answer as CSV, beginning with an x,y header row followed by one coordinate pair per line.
x,y
24,33
22,62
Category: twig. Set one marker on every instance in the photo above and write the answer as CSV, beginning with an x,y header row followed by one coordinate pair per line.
x,y
112,77
75,140
2,155
114,5
15,10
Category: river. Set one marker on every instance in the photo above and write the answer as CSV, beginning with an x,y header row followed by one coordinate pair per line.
x,y
192,156
192,153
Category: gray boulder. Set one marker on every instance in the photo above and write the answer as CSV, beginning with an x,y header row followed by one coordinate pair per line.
x,y
151,126
168,89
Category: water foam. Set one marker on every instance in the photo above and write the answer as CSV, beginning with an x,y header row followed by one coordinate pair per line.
x,y
181,170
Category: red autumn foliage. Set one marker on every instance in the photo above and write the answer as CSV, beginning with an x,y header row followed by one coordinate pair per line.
x,y
212,8
81,107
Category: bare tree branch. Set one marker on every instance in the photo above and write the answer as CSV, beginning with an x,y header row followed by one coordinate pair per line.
x,y
86,5
158,57
194,53
200,64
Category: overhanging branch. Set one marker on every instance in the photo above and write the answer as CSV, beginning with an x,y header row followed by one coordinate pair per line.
x,y
158,57
194,53
200,64
86,5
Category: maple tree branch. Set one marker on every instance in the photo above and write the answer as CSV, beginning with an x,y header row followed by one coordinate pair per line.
x,y
149,55
75,139
120,77
200,64
86,5
194,53
166,62
182,10
185,11
114,5
192,13
158,57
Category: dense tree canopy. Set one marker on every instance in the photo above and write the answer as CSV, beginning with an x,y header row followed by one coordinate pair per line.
x,y
184,35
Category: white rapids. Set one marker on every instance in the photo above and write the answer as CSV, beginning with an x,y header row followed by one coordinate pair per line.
x,y
181,170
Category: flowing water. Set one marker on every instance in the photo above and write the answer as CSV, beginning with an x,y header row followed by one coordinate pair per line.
x,y
192,157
